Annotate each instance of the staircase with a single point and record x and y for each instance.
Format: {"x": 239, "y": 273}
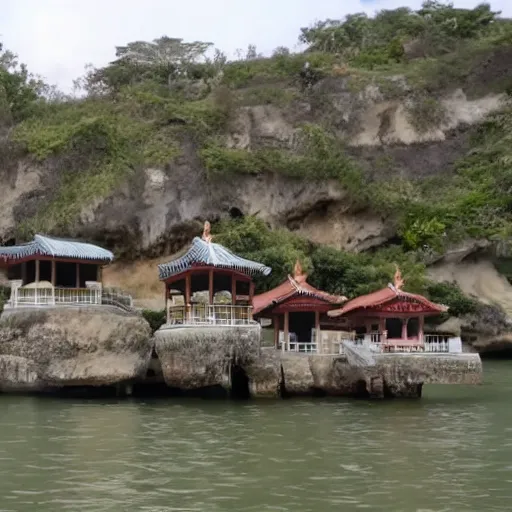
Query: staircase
{"x": 358, "y": 355}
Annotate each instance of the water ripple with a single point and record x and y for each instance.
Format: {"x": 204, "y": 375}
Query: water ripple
{"x": 449, "y": 452}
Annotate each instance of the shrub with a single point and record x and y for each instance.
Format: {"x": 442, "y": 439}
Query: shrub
{"x": 155, "y": 318}
{"x": 452, "y": 296}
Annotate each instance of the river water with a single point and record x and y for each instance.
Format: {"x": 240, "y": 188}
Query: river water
{"x": 449, "y": 451}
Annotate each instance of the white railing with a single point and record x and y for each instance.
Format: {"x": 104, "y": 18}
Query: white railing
{"x": 437, "y": 343}
{"x": 377, "y": 343}
{"x": 53, "y": 296}
{"x": 205, "y": 314}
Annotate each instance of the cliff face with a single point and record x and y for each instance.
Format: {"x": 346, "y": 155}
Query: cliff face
{"x": 150, "y": 210}
{"x": 400, "y": 161}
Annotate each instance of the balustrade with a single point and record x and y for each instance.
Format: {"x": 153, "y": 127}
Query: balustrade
{"x": 205, "y": 314}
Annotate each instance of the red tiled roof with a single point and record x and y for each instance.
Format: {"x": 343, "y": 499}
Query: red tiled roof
{"x": 291, "y": 287}
{"x": 381, "y": 297}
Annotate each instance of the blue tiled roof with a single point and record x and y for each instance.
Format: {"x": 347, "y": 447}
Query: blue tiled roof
{"x": 57, "y": 248}
{"x": 208, "y": 253}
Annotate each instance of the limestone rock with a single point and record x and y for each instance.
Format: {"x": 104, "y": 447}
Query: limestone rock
{"x": 82, "y": 346}
{"x": 264, "y": 374}
{"x": 297, "y": 376}
{"x": 198, "y": 357}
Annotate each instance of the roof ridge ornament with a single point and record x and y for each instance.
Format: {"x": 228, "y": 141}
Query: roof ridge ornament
{"x": 207, "y": 237}
{"x": 398, "y": 281}
{"x": 298, "y": 273}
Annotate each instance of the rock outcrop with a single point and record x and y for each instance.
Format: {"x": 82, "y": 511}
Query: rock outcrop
{"x": 54, "y": 348}
{"x": 194, "y": 357}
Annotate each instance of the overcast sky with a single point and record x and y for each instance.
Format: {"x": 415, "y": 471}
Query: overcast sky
{"x": 56, "y": 38}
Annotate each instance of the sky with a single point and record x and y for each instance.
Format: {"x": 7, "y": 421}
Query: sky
{"x": 56, "y": 38}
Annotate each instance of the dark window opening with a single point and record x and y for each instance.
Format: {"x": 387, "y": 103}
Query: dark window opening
{"x": 66, "y": 275}
{"x": 394, "y": 328}
{"x": 413, "y": 327}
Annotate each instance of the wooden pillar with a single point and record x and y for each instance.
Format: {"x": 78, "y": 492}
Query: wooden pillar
{"x": 78, "y": 275}
{"x": 276, "y": 331}
{"x": 167, "y": 313}
{"x": 233, "y": 290}
{"x": 404, "y": 328}
{"x": 24, "y": 273}
{"x": 99, "y": 273}
{"x": 37, "y": 271}
{"x": 210, "y": 287}
{"x": 54, "y": 272}
{"x": 421, "y": 327}
{"x": 317, "y": 332}
{"x": 188, "y": 286}
{"x": 286, "y": 341}
{"x": 382, "y": 325}
{"x": 251, "y": 296}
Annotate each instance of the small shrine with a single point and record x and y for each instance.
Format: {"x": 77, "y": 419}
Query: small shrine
{"x": 297, "y": 310}
{"x": 391, "y": 317}
{"x": 209, "y": 267}
{"x": 51, "y": 270}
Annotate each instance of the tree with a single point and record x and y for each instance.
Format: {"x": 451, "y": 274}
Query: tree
{"x": 19, "y": 89}
{"x": 165, "y": 53}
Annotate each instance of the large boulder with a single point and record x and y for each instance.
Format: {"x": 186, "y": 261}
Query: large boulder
{"x": 82, "y": 346}
{"x": 195, "y": 357}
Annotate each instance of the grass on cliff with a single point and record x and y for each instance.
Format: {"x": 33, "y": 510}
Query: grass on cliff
{"x": 93, "y": 145}
{"x": 472, "y": 201}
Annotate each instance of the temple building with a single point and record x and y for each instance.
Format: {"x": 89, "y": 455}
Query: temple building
{"x": 51, "y": 271}
{"x": 392, "y": 319}
{"x": 298, "y": 312}
{"x": 209, "y": 267}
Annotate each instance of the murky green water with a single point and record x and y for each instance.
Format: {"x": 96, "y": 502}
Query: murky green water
{"x": 450, "y": 451}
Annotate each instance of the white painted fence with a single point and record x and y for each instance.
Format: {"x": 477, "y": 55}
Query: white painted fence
{"x": 206, "y": 314}
{"x": 93, "y": 294}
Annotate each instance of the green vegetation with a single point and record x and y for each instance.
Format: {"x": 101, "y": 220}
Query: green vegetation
{"x": 335, "y": 271}
{"x": 320, "y": 156}
{"x": 154, "y": 318}
{"x": 141, "y": 109}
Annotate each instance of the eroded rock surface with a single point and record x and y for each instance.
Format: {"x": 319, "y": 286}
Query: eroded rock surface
{"x": 52, "y": 348}
{"x": 194, "y": 358}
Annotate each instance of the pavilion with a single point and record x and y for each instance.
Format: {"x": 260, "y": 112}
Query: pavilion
{"x": 390, "y": 317}
{"x": 50, "y": 270}
{"x": 208, "y": 266}
{"x": 299, "y": 309}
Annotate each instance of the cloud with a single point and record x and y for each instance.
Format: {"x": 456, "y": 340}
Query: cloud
{"x": 56, "y": 38}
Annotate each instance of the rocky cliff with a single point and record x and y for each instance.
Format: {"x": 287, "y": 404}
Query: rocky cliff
{"x": 386, "y": 151}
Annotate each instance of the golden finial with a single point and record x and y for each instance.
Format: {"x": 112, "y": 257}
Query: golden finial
{"x": 398, "y": 281}
{"x": 298, "y": 273}
{"x": 207, "y": 237}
